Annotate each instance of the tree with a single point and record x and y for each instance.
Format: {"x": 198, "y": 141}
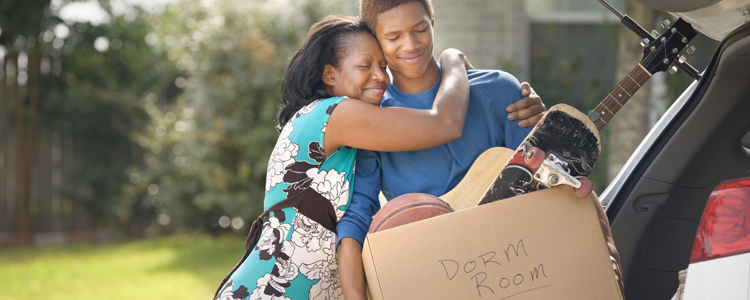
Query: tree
{"x": 630, "y": 126}
{"x": 22, "y": 22}
{"x": 206, "y": 155}
{"x": 84, "y": 83}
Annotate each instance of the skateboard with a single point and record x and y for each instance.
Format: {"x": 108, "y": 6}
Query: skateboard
{"x": 561, "y": 149}
{"x": 564, "y": 146}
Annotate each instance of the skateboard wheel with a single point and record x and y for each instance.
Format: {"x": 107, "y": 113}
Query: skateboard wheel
{"x": 534, "y": 158}
{"x": 586, "y": 188}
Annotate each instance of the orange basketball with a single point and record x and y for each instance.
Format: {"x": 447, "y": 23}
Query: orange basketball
{"x": 406, "y": 209}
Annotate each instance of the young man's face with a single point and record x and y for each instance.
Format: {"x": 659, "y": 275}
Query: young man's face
{"x": 405, "y": 35}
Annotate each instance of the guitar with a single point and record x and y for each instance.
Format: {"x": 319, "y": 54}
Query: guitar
{"x": 564, "y": 133}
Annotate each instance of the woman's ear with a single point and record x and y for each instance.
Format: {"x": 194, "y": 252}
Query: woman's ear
{"x": 329, "y": 75}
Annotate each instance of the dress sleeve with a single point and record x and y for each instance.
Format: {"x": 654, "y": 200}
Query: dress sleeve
{"x": 364, "y": 203}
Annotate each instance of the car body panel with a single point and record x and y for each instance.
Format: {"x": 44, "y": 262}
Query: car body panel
{"x": 714, "y": 18}
{"x": 721, "y": 278}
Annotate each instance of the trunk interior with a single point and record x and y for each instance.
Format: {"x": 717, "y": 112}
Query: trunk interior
{"x": 655, "y": 215}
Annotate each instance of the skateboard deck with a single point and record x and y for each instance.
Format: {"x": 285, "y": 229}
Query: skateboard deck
{"x": 564, "y": 132}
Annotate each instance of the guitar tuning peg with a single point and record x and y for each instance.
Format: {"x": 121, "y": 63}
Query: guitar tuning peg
{"x": 681, "y": 59}
{"x": 644, "y": 42}
{"x": 672, "y": 70}
{"x": 665, "y": 24}
{"x": 690, "y": 49}
{"x": 655, "y": 33}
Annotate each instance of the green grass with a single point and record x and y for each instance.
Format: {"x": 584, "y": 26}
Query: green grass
{"x": 180, "y": 267}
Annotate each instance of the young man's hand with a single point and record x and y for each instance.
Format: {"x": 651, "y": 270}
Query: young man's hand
{"x": 529, "y": 110}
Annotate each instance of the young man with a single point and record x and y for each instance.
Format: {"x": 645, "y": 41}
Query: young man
{"x": 404, "y": 29}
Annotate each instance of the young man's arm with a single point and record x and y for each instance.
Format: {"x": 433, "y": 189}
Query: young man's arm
{"x": 353, "y": 226}
{"x": 529, "y": 110}
{"x": 351, "y": 269}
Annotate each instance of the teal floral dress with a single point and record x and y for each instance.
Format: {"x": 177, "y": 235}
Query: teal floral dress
{"x": 295, "y": 256}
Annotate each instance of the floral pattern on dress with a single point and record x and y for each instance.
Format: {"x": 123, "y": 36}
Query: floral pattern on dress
{"x": 329, "y": 285}
{"x": 228, "y": 293}
{"x": 274, "y": 232}
{"x": 310, "y": 237}
{"x": 282, "y": 157}
{"x": 333, "y": 186}
{"x": 328, "y": 111}
{"x": 331, "y": 108}
{"x": 268, "y": 289}
{"x": 300, "y": 173}
{"x": 300, "y": 249}
{"x": 307, "y": 108}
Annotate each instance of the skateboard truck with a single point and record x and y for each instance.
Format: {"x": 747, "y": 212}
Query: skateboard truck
{"x": 551, "y": 172}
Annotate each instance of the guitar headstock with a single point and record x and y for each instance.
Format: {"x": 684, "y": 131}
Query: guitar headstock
{"x": 659, "y": 54}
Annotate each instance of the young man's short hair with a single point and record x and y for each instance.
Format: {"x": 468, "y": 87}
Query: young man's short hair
{"x": 369, "y": 10}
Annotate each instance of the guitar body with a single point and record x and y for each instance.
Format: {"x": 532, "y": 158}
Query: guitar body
{"x": 478, "y": 179}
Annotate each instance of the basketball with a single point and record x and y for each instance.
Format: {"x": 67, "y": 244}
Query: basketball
{"x": 407, "y": 209}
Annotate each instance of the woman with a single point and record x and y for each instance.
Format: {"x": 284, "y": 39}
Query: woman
{"x": 331, "y": 94}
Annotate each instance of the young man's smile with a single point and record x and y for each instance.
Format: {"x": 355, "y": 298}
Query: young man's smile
{"x": 412, "y": 58}
{"x": 405, "y": 35}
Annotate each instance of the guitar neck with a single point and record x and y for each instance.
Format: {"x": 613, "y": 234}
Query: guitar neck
{"x": 619, "y": 96}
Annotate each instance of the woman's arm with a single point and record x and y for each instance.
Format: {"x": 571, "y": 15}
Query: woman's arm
{"x": 358, "y": 124}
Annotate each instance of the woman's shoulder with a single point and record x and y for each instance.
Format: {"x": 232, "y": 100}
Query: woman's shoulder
{"x": 314, "y": 116}
{"x": 325, "y": 104}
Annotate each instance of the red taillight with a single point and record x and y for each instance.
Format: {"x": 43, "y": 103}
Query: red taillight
{"x": 725, "y": 227}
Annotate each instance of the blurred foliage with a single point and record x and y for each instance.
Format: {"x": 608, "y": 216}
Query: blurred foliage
{"x": 207, "y": 152}
{"x": 564, "y": 72}
{"x": 100, "y": 103}
{"x": 166, "y": 118}
{"x": 90, "y": 96}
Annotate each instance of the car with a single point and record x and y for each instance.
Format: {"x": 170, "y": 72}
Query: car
{"x": 657, "y": 203}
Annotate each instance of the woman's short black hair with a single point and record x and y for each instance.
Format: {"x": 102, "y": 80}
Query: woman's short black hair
{"x": 325, "y": 43}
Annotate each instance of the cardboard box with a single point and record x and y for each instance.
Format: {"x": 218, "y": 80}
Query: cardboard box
{"x": 542, "y": 245}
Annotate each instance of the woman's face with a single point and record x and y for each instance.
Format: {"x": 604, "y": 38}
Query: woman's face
{"x": 361, "y": 73}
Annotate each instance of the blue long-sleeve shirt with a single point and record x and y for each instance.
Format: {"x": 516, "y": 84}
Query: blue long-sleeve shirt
{"x": 436, "y": 170}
